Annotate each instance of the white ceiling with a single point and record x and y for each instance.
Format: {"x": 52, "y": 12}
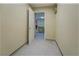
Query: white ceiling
{"x": 42, "y": 5}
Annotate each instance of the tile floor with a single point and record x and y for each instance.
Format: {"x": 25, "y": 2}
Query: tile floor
{"x": 39, "y": 47}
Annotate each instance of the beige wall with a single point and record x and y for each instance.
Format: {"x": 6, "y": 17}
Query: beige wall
{"x": 67, "y": 28}
{"x": 0, "y": 33}
{"x": 13, "y": 27}
{"x": 78, "y": 29}
{"x": 50, "y": 22}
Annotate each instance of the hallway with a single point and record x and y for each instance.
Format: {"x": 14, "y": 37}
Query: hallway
{"x": 39, "y": 48}
{"x": 59, "y": 22}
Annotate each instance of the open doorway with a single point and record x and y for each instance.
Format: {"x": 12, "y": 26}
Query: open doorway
{"x": 39, "y": 25}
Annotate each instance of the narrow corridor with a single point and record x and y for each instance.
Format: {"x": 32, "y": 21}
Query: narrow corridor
{"x": 39, "y": 48}
{"x": 49, "y": 21}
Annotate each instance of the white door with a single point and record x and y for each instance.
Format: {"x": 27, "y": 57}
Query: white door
{"x": 31, "y": 25}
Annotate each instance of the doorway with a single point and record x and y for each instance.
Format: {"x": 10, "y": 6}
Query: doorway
{"x": 39, "y": 25}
